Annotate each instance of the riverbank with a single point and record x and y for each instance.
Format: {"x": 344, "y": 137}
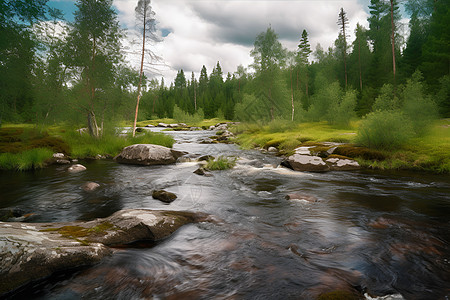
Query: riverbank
{"x": 23, "y": 147}
{"x": 429, "y": 153}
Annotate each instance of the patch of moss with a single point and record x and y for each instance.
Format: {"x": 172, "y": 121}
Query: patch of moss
{"x": 101, "y": 228}
{"x": 362, "y": 152}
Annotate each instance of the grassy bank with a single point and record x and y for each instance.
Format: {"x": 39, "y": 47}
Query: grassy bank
{"x": 429, "y": 153}
{"x": 22, "y": 147}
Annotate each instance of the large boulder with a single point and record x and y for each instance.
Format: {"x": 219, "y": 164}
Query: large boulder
{"x": 148, "y": 154}
{"x": 307, "y": 163}
{"x": 35, "y": 251}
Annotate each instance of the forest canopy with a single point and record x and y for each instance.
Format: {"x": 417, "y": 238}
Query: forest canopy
{"x": 75, "y": 72}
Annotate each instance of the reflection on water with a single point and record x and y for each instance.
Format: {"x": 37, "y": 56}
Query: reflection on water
{"x": 367, "y": 231}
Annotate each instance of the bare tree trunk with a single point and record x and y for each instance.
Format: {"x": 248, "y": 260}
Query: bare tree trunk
{"x": 292, "y": 96}
{"x": 195, "y": 97}
{"x": 92, "y": 122}
{"x": 140, "y": 73}
{"x": 359, "y": 64}
{"x": 393, "y": 40}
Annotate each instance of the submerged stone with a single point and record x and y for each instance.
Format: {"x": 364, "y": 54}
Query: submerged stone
{"x": 164, "y": 196}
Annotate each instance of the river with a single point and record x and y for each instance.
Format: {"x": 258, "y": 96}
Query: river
{"x": 368, "y": 231}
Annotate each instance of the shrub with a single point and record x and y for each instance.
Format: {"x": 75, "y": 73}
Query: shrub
{"x": 384, "y": 130}
{"x": 420, "y": 109}
{"x": 181, "y": 116}
{"x": 386, "y": 100}
{"x": 346, "y": 109}
{"x": 221, "y": 163}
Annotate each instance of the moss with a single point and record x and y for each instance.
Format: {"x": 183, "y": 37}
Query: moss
{"x": 79, "y": 232}
{"x": 101, "y": 228}
{"x": 362, "y": 152}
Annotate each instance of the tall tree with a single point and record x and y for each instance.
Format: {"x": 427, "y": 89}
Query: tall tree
{"x": 268, "y": 55}
{"x": 436, "y": 50}
{"x": 145, "y": 18}
{"x": 194, "y": 85}
{"x": 303, "y": 52}
{"x": 18, "y": 48}
{"x": 394, "y": 69}
{"x": 359, "y": 58}
{"x": 94, "y": 48}
{"x": 381, "y": 31}
{"x": 343, "y": 22}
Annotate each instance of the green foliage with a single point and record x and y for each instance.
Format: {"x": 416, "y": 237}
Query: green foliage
{"x": 385, "y": 130}
{"x": 341, "y": 111}
{"x": 26, "y": 160}
{"x": 180, "y": 116}
{"x": 443, "y": 96}
{"x": 221, "y": 163}
{"x": 386, "y": 100}
{"x": 420, "y": 109}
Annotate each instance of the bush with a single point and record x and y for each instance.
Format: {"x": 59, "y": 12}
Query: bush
{"x": 345, "y": 111}
{"x": 384, "y": 130}
{"x": 386, "y": 100}
{"x": 221, "y": 163}
{"x": 420, "y": 109}
{"x": 181, "y": 116}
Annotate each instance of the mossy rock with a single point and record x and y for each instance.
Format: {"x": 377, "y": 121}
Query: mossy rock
{"x": 362, "y": 152}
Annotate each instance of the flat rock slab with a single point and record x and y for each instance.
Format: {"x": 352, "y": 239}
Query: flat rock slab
{"x": 33, "y": 251}
{"x": 148, "y": 154}
{"x": 307, "y": 163}
{"x": 337, "y": 164}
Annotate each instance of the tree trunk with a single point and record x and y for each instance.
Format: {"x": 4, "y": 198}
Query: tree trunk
{"x": 393, "y": 39}
{"x": 359, "y": 64}
{"x": 195, "y": 97}
{"x": 292, "y": 96}
{"x": 140, "y": 73}
{"x": 92, "y": 124}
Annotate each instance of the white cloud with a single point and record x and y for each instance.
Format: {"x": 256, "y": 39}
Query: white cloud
{"x": 204, "y": 32}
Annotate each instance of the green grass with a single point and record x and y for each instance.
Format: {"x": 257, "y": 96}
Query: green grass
{"x": 221, "y": 163}
{"x": 287, "y": 137}
{"x": 25, "y": 148}
{"x": 86, "y": 146}
{"x": 430, "y": 153}
{"x": 26, "y": 160}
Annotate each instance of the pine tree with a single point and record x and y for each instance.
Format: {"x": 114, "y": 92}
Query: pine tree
{"x": 343, "y": 22}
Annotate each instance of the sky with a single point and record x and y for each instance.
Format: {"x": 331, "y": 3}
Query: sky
{"x": 202, "y": 32}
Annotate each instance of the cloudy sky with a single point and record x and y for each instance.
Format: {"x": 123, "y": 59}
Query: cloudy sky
{"x": 202, "y": 32}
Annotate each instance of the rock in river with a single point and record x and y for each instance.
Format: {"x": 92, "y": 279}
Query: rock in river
{"x": 76, "y": 168}
{"x": 164, "y": 196}
{"x": 307, "y": 163}
{"x": 148, "y": 154}
{"x": 33, "y": 251}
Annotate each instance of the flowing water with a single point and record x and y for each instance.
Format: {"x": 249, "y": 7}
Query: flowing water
{"x": 368, "y": 231}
